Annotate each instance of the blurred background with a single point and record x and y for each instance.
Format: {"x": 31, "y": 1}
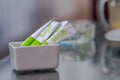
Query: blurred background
{"x": 20, "y": 18}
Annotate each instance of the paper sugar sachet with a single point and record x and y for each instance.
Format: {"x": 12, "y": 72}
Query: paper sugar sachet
{"x": 31, "y": 38}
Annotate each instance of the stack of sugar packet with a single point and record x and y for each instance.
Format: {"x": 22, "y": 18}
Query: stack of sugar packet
{"x": 50, "y": 33}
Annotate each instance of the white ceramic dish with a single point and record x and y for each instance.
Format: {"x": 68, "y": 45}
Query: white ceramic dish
{"x": 33, "y": 58}
{"x": 113, "y": 35}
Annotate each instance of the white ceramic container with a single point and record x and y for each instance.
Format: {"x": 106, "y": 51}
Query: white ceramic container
{"x": 33, "y": 58}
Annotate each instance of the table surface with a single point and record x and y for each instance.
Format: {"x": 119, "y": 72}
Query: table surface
{"x": 71, "y": 67}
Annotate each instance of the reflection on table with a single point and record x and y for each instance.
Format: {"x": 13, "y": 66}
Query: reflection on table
{"x": 35, "y": 75}
{"x": 72, "y": 65}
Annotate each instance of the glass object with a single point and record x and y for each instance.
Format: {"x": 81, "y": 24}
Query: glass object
{"x": 80, "y": 46}
{"x": 75, "y": 51}
{"x": 85, "y": 31}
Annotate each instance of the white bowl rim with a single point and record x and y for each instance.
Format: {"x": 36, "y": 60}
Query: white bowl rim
{"x": 113, "y": 35}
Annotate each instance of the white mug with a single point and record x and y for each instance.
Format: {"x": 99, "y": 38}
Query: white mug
{"x": 114, "y": 14}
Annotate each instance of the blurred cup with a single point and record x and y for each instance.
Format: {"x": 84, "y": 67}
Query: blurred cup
{"x": 75, "y": 51}
{"x": 85, "y": 31}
